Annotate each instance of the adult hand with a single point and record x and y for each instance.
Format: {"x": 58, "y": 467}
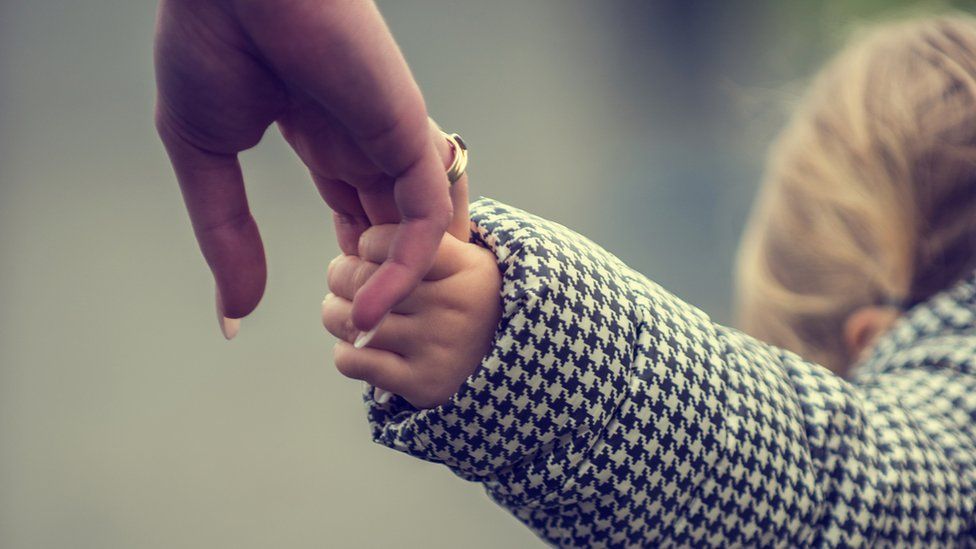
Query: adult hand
{"x": 329, "y": 73}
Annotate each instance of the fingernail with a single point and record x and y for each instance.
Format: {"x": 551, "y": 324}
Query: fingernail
{"x": 364, "y": 338}
{"x": 381, "y": 396}
{"x": 229, "y": 327}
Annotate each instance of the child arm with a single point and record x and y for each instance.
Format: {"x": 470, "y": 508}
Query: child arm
{"x": 608, "y": 411}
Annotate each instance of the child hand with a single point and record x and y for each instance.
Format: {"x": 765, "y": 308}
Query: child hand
{"x": 433, "y": 340}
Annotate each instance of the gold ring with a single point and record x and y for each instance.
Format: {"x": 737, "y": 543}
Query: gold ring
{"x": 460, "y": 162}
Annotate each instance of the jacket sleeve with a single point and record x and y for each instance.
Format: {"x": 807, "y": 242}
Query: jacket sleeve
{"x": 608, "y": 412}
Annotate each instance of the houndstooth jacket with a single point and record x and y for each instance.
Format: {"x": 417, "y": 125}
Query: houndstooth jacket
{"x": 610, "y": 413}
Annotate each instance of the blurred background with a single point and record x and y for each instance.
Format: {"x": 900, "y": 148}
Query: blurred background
{"x": 127, "y": 421}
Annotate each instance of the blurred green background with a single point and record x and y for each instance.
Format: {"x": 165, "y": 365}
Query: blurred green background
{"x": 127, "y": 421}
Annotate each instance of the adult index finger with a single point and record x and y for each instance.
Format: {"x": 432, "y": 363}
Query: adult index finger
{"x": 213, "y": 191}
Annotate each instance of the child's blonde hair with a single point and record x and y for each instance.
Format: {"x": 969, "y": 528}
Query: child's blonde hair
{"x": 870, "y": 191}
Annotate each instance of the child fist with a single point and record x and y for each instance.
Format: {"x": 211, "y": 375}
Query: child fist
{"x": 432, "y": 341}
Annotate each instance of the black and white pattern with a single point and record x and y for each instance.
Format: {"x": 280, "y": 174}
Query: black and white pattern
{"x": 610, "y": 413}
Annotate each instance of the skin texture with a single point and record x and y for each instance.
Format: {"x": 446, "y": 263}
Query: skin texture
{"x": 432, "y": 340}
{"x": 329, "y": 74}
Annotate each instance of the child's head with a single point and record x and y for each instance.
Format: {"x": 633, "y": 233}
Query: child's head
{"x": 870, "y": 193}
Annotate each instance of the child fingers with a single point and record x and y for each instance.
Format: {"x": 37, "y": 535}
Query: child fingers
{"x": 375, "y": 243}
{"x": 377, "y": 367}
{"x": 392, "y": 334}
{"x": 375, "y": 247}
{"x": 347, "y": 273}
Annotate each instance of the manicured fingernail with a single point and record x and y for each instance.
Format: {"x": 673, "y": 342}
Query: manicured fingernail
{"x": 364, "y": 338}
{"x": 381, "y": 396}
{"x": 229, "y": 327}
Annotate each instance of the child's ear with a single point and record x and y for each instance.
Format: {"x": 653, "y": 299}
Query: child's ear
{"x": 864, "y": 325}
{"x": 460, "y": 227}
